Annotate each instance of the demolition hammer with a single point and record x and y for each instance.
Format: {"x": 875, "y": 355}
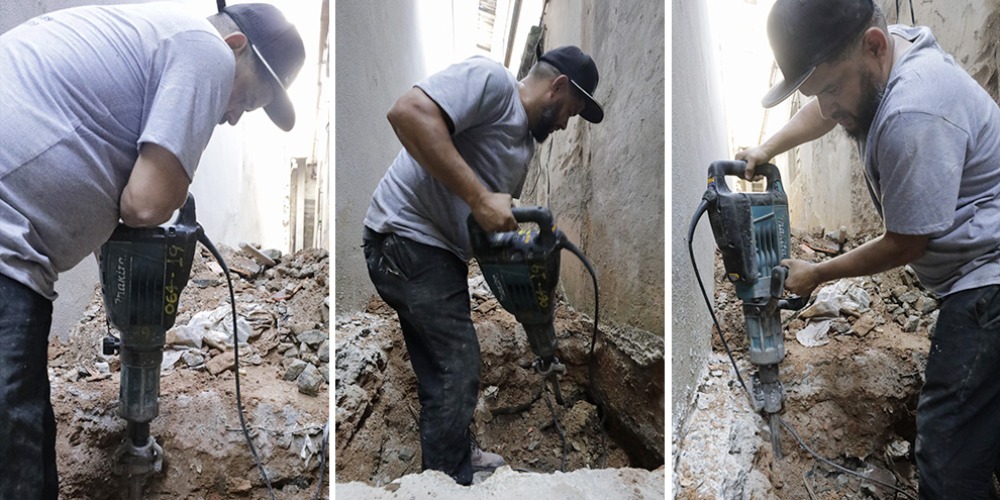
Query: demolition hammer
{"x": 752, "y": 233}
{"x": 522, "y": 270}
{"x": 143, "y": 271}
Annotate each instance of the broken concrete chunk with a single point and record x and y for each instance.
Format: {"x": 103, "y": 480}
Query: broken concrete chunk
{"x": 312, "y": 338}
{"x": 257, "y": 255}
{"x": 193, "y": 359}
{"x": 911, "y": 324}
{"x": 295, "y": 368}
{"x": 909, "y": 297}
{"x": 221, "y": 363}
{"x": 323, "y": 351}
{"x": 309, "y": 381}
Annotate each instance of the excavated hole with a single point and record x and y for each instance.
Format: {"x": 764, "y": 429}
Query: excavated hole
{"x": 377, "y": 407}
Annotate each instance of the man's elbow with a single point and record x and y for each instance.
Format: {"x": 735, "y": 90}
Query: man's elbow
{"x": 134, "y": 215}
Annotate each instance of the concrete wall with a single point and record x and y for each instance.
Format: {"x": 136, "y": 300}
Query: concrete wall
{"x": 698, "y": 138}
{"x": 605, "y": 182}
{"x": 239, "y": 181}
{"x": 829, "y": 190}
{"x": 378, "y": 58}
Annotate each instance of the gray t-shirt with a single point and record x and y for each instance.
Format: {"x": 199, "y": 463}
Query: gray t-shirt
{"x": 80, "y": 91}
{"x": 491, "y": 133}
{"x": 932, "y": 160}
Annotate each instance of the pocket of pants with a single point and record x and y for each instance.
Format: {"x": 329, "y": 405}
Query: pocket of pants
{"x": 394, "y": 260}
{"x": 988, "y": 307}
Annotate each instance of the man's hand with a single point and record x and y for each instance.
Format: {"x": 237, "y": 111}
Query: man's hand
{"x": 802, "y": 278}
{"x": 492, "y": 212}
{"x": 754, "y": 156}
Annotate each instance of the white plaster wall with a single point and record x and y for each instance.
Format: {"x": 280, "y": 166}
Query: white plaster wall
{"x": 605, "y": 182}
{"x": 241, "y": 183}
{"x": 698, "y": 138}
{"x": 378, "y": 58}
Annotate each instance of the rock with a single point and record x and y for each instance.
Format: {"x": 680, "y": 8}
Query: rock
{"x": 312, "y": 338}
{"x": 863, "y": 326}
{"x": 238, "y": 485}
{"x": 911, "y": 324}
{"x": 925, "y": 305}
{"x": 309, "y": 381}
{"x": 221, "y": 363}
{"x": 909, "y": 297}
{"x": 291, "y": 353}
{"x": 295, "y": 368}
{"x": 193, "y": 359}
{"x": 323, "y": 351}
{"x": 102, "y": 367}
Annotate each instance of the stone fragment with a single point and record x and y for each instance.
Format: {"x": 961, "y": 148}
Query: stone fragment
{"x": 193, "y": 359}
{"x": 221, "y": 363}
{"x": 309, "y": 381}
{"x": 295, "y": 368}
{"x": 312, "y": 338}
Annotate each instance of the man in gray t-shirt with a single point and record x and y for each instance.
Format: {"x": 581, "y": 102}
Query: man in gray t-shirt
{"x": 468, "y": 135}
{"x": 930, "y": 139}
{"x": 106, "y": 113}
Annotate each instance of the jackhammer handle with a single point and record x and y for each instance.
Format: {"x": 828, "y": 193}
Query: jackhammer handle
{"x": 718, "y": 171}
{"x": 541, "y": 216}
{"x": 187, "y": 214}
{"x": 793, "y": 302}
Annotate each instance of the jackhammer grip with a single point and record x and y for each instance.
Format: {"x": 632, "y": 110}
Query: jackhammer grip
{"x": 541, "y": 216}
{"x": 718, "y": 171}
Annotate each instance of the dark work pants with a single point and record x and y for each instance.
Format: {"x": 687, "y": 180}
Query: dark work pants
{"x": 428, "y": 288}
{"x": 27, "y": 424}
{"x": 958, "y": 414}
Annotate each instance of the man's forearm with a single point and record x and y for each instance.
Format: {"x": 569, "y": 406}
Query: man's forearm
{"x": 886, "y": 252}
{"x": 807, "y": 125}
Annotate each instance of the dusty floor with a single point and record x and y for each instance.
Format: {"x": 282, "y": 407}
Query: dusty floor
{"x": 377, "y": 407}
{"x": 852, "y": 399}
{"x": 205, "y": 452}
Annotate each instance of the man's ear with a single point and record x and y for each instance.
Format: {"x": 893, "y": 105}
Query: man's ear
{"x": 558, "y": 83}
{"x": 236, "y": 41}
{"x": 874, "y": 42}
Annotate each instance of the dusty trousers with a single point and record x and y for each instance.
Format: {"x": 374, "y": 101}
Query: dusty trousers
{"x": 958, "y": 414}
{"x": 27, "y": 423}
{"x": 428, "y": 288}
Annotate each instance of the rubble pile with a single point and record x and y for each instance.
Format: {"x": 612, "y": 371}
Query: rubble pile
{"x": 377, "y": 410}
{"x": 282, "y": 305}
{"x": 852, "y": 372}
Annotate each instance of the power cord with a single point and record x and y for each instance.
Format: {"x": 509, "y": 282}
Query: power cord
{"x": 702, "y": 208}
{"x": 236, "y": 365}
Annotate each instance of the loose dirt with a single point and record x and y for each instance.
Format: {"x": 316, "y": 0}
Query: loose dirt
{"x": 206, "y": 455}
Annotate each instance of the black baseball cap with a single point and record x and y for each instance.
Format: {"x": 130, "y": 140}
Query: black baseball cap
{"x": 582, "y": 72}
{"x": 279, "y": 47}
{"x": 806, "y": 33}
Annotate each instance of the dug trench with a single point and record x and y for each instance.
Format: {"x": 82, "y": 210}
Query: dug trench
{"x": 851, "y": 394}
{"x": 283, "y": 313}
{"x": 378, "y": 411}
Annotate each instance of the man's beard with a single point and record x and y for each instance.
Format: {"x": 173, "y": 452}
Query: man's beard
{"x": 546, "y": 123}
{"x": 870, "y": 102}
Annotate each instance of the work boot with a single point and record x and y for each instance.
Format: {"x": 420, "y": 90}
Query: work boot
{"x": 484, "y": 460}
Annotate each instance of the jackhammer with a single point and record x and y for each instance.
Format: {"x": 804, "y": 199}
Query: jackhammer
{"x": 752, "y": 233}
{"x": 143, "y": 272}
{"x": 521, "y": 268}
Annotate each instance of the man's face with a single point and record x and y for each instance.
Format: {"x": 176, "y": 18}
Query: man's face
{"x": 252, "y": 88}
{"x": 555, "y": 116}
{"x": 848, "y": 93}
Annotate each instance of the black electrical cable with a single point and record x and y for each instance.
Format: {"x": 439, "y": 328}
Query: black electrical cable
{"x": 702, "y": 208}
{"x": 236, "y": 365}
{"x": 840, "y": 467}
{"x": 592, "y": 362}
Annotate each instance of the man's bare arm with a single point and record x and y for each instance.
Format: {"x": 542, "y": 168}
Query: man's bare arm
{"x": 886, "y": 252}
{"x": 807, "y": 125}
{"x": 157, "y": 186}
{"x": 424, "y": 130}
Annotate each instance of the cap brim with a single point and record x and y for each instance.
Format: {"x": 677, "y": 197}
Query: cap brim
{"x": 784, "y": 88}
{"x": 593, "y": 112}
{"x": 280, "y": 110}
